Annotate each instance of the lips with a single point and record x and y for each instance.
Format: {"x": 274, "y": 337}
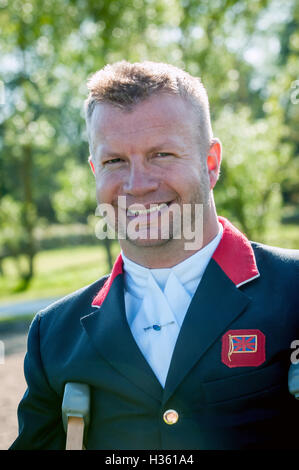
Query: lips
{"x": 135, "y": 211}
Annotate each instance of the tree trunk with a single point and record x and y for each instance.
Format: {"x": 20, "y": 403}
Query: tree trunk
{"x": 107, "y": 245}
{"x": 28, "y": 212}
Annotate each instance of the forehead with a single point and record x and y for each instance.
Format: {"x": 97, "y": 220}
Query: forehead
{"x": 160, "y": 116}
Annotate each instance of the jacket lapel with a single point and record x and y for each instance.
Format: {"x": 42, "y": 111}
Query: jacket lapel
{"x": 111, "y": 336}
{"x": 216, "y": 303}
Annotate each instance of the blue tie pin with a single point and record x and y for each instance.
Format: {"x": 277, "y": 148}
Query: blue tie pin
{"x": 158, "y": 327}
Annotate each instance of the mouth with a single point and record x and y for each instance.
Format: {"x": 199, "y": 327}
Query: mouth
{"x": 142, "y": 211}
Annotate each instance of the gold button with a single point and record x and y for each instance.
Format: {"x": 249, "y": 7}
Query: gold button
{"x": 171, "y": 416}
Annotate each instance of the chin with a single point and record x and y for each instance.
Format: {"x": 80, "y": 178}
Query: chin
{"x": 147, "y": 243}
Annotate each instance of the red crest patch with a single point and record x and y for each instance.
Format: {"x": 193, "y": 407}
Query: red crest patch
{"x": 243, "y": 348}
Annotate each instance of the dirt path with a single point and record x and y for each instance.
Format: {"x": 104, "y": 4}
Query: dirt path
{"x": 12, "y": 381}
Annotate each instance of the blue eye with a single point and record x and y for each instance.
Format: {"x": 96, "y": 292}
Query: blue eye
{"x": 112, "y": 161}
{"x": 163, "y": 154}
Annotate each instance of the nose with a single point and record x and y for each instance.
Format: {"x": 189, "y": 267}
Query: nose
{"x": 140, "y": 181}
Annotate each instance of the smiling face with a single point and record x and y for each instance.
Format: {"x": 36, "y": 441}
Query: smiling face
{"x": 151, "y": 155}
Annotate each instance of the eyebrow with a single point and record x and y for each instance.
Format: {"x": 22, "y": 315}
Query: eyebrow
{"x": 155, "y": 148}
{"x": 161, "y": 146}
{"x": 110, "y": 154}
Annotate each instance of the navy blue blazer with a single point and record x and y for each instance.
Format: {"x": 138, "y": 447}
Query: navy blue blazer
{"x": 228, "y": 375}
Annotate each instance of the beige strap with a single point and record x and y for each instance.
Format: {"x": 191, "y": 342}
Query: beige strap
{"x": 74, "y": 436}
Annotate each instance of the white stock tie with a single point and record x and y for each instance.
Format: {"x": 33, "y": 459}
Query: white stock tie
{"x": 156, "y": 326}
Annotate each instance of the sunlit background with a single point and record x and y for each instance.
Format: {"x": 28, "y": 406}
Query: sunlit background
{"x": 246, "y": 53}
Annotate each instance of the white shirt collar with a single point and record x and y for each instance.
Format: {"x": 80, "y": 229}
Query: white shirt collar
{"x": 189, "y": 271}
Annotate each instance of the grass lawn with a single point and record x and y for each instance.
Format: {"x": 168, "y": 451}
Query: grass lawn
{"x": 58, "y": 272}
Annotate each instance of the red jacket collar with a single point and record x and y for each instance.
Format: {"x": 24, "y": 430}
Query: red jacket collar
{"x": 234, "y": 255}
{"x": 116, "y": 270}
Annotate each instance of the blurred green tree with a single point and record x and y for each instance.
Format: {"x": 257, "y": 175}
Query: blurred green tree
{"x": 282, "y": 101}
{"x": 249, "y": 189}
{"x": 76, "y": 195}
{"x": 48, "y": 49}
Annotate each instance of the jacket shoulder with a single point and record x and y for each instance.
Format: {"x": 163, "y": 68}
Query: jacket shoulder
{"x": 280, "y": 264}
{"x": 73, "y": 303}
{"x": 276, "y": 254}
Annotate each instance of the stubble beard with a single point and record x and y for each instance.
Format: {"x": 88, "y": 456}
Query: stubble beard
{"x": 175, "y": 230}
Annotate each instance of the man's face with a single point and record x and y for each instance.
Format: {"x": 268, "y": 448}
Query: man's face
{"x": 150, "y": 155}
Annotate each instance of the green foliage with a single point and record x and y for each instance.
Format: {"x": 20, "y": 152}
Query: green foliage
{"x": 11, "y": 233}
{"x": 48, "y": 48}
{"x": 14, "y": 240}
{"x": 76, "y": 195}
{"x": 252, "y": 170}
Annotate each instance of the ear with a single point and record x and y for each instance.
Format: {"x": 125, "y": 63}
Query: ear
{"x": 91, "y": 164}
{"x": 214, "y": 161}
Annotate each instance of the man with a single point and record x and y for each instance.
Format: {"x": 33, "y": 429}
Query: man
{"x": 184, "y": 346}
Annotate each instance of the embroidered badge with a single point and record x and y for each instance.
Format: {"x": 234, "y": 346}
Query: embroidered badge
{"x": 243, "y": 348}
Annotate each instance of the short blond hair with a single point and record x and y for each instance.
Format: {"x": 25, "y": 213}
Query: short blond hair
{"x": 124, "y": 85}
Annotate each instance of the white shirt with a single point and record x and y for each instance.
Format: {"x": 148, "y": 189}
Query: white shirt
{"x": 162, "y": 297}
